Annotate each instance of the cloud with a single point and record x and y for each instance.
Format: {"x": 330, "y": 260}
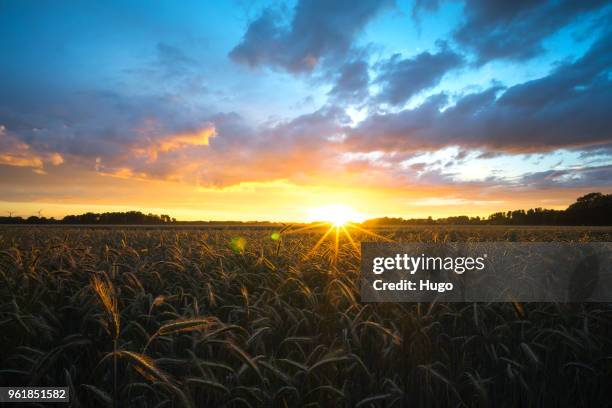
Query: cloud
{"x": 402, "y": 78}
{"x": 173, "y": 61}
{"x": 451, "y": 201}
{"x": 108, "y": 124}
{"x": 319, "y": 30}
{"x": 159, "y": 133}
{"x": 150, "y": 134}
{"x": 597, "y": 176}
{"x": 14, "y": 152}
{"x": 514, "y": 29}
{"x": 351, "y": 85}
{"x": 420, "y": 6}
{"x": 568, "y": 108}
{"x": 229, "y": 150}
{"x": 171, "y": 69}
{"x": 298, "y": 149}
{"x": 152, "y": 147}
{"x": 182, "y": 140}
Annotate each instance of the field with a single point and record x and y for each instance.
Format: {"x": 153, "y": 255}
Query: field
{"x": 145, "y": 317}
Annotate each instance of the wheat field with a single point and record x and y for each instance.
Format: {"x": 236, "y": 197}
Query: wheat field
{"x": 195, "y": 317}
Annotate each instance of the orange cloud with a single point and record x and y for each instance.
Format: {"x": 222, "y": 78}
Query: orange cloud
{"x": 174, "y": 142}
{"x": 180, "y": 140}
{"x": 14, "y": 152}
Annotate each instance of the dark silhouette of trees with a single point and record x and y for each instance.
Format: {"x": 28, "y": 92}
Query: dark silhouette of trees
{"x": 109, "y": 218}
{"x": 590, "y": 209}
{"x": 12, "y": 220}
{"x": 118, "y": 218}
{"x": 533, "y": 216}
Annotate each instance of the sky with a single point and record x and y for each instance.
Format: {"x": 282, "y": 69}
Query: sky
{"x": 256, "y": 110}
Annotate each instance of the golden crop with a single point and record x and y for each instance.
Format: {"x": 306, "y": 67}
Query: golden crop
{"x": 136, "y": 317}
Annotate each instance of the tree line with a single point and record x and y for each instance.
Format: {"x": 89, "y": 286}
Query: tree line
{"x": 590, "y": 209}
{"x": 108, "y": 218}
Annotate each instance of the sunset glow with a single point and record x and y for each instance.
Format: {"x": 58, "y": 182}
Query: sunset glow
{"x": 306, "y": 203}
{"x": 306, "y": 111}
{"x": 336, "y": 214}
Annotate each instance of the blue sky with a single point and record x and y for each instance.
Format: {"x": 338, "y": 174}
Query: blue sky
{"x": 473, "y": 101}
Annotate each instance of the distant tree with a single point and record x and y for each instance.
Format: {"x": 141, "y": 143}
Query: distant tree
{"x": 117, "y": 218}
{"x": 591, "y": 209}
{"x": 498, "y": 218}
{"x": 33, "y": 220}
{"x": 11, "y": 220}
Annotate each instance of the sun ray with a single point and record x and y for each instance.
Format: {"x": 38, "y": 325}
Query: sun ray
{"x": 336, "y": 243}
{"x": 340, "y": 219}
{"x": 350, "y": 238}
{"x": 308, "y": 227}
{"x": 319, "y": 242}
{"x": 365, "y": 231}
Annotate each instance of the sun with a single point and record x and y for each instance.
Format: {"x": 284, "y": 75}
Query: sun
{"x": 338, "y": 221}
{"x": 336, "y": 214}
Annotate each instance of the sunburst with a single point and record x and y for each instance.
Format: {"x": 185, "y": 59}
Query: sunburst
{"x": 337, "y": 221}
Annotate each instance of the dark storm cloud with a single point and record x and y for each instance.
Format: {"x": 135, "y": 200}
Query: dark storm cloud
{"x": 320, "y": 30}
{"x": 401, "y": 78}
{"x": 569, "y": 108}
{"x": 516, "y": 29}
